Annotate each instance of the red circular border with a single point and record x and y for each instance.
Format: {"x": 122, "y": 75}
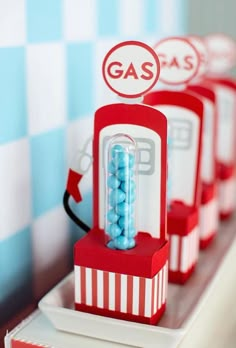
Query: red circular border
{"x": 197, "y": 54}
{"x": 202, "y": 42}
{"x": 129, "y": 43}
{"x": 219, "y": 35}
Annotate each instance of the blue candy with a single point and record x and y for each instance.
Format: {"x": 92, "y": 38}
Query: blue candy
{"x": 114, "y": 231}
{"x": 131, "y": 160}
{"x": 130, "y": 196}
{"x": 121, "y": 160}
{"x": 126, "y": 222}
{"x": 113, "y": 182}
{"x": 112, "y": 168}
{"x": 112, "y": 216}
{"x": 127, "y": 185}
{"x": 130, "y": 232}
{"x": 111, "y": 244}
{"x": 124, "y": 174}
{"x": 116, "y": 196}
{"x": 116, "y": 149}
{"x": 121, "y": 243}
{"x": 122, "y": 194}
{"x": 122, "y": 208}
{"x": 131, "y": 243}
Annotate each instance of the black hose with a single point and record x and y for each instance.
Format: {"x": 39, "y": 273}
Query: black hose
{"x": 72, "y": 215}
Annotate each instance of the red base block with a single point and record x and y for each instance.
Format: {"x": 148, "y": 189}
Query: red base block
{"x": 183, "y": 230}
{"x": 129, "y": 285}
{"x": 227, "y": 189}
{"x": 208, "y": 218}
{"x": 178, "y": 277}
{"x": 204, "y": 243}
{"x": 122, "y": 316}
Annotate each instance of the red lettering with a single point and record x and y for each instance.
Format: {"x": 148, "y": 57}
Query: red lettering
{"x": 117, "y": 73}
{"x": 175, "y": 63}
{"x": 131, "y": 72}
{"x": 163, "y": 61}
{"x": 188, "y": 61}
{"x": 149, "y": 73}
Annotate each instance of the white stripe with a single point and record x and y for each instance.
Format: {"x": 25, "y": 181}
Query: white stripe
{"x": 100, "y": 303}
{"x": 164, "y": 285}
{"x": 166, "y": 292}
{"x": 196, "y": 243}
{"x": 184, "y": 254}
{"x": 155, "y": 294}
{"x": 204, "y": 220}
{"x": 88, "y": 281}
{"x": 190, "y": 250}
{"x": 123, "y": 293}
{"x": 77, "y": 285}
{"x": 215, "y": 217}
{"x": 160, "y": 289}
{"x": 148, "y": 298}
{"x": 135, "y": 306}
{"x": 227, "y": 194}
{"x": 208, "y": 219}
{"x": 174, "y": 252}
{"x": 111, "y": 291}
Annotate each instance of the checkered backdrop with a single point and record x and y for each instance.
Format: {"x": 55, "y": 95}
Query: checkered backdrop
{"x": 50, "y": 86}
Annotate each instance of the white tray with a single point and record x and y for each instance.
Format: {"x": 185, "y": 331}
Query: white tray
{"x": 184, "y": 304}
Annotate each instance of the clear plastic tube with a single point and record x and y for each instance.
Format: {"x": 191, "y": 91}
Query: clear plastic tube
{"x": 121, "y": 189}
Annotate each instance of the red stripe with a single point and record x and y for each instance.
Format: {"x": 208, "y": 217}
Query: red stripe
{"x": 83, "y": 284}
{"x": 117, "y": 291}
{"x": 129, "y": 294}
{"x": 152, "y": 305}
{"x": 141, "y": 296}
{"x": 94, "y": 287}
{"x": 106, "y": 290}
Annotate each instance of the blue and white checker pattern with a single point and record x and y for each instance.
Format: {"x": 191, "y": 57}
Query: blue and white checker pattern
{"x": 50, "y": 86}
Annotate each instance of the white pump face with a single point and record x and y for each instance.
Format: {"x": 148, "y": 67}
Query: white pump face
{"x": 148, "y": 172}
{"x": 226, "y": 124}
{"x": 208, "y": 159}
{"x": 184, "y": 128}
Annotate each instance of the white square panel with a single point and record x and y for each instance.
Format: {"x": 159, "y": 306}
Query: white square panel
{"x": 15, "y": 197}
{"x": 50, "y": 238}
{"x": 79, "y": 150}
{"x": 131, "y": 9}
{"x": 80, "y": 19}
{"x": 12, "y": 23}
{"x": 46, "y": 86}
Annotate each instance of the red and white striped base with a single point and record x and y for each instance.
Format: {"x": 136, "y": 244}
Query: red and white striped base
{"x": 183, "y": 255}
{"x": 227, "y": 199}
{"x": 121, "y": 296}
{"x": 208, "y": 221}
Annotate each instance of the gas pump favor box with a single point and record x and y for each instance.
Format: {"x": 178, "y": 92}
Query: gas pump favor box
{"x": 121, "y": 265}
{"x": 208, "y": 217}
{"x": 179, "y": 63}
{"x": 222, "y": 57}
